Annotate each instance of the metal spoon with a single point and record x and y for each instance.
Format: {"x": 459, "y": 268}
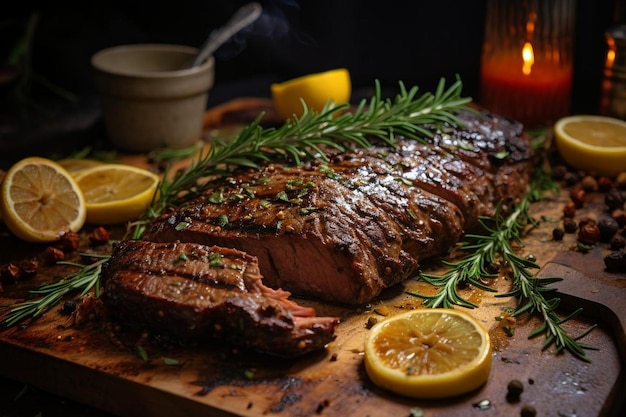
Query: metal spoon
{"x": 247, "y": 14}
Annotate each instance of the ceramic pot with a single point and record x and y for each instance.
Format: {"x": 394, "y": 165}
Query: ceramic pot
{"x": 150, "y": 97}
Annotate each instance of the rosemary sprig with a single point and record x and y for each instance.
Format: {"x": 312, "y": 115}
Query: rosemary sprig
{"x": 408, "y": 115}
{"x": 49, "y": 295}
{"x": 499, "y": 243}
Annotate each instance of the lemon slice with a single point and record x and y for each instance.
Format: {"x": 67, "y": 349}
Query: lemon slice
{"x": 592, "y": 143}
{"x": 116, "y": 193}
{"x": 428, "y": 353}
{"x": 41, "y": 200}
{"x": 315, "y": 89}
{"x": 75, "y": 165}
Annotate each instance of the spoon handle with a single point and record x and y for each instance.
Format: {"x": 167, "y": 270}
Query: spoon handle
{"x": 247, "y": 14}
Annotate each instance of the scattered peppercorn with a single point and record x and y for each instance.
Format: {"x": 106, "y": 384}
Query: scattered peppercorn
{"x": 69, "y": 307}
{"x": 617, "y": 242}
{"x": 9, "y": 273}
{"x": 558, "y": 233}
{"x": 571, "y": 178}
{"x": 28, "y": 267}
{"x": 578, "y": 196}
{"x": 604, "y": 184}
{"x": 620, "y": 216}
{"x": 99, "y": 236}
{"x": 569, "y": 210}
{"x": 616, "y": 261}
{"x": 569, "y": 225}
{"x": 514, "y": 390}
{"x": 69, "y": 241}
{"x": 52, "y": 255}
{"x": 528, "y": 411}
{"x": 589, "y": 183}
{"x": 614, "y": 199}
{"x": 608, "y": 227}
{"x": 559, "y": 171}
{"x": 589, "y": 234}
{"x": 583, "y": 221}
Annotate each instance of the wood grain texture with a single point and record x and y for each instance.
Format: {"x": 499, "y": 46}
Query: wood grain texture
{"x": 98, "y": 365}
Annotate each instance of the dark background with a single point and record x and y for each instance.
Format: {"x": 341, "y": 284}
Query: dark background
{"x": 417, "y": 42}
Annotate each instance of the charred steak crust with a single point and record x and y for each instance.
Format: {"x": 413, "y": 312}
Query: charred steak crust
{"x": 192, "y": 291}
{"x": 346, "y": 230}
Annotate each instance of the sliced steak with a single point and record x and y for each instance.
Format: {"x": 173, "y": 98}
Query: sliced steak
{"x": 346, "y": 230}
{"x": 193, "y": 291}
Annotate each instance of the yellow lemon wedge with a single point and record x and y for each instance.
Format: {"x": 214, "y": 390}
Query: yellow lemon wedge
{"x": 75, "y": 165}
{"x": 428, "y": 353}
{"x": 592, "y": 143}
{"x": 116, "y": 193}
{"x": 41, "y": 201}
{"x": 314, "y": 89}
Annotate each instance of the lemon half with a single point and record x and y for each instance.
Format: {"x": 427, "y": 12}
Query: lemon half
{"x": 428, "y": 354}
{"x": 592, "y": 143}
{"x": 41, "y": 200}
{"x": 315, "y": 90}
{"x": 116, "y": 193}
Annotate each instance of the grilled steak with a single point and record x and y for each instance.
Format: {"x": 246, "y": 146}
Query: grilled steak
{"x": 193, "y": 291}
{"x": 346, "y": 230}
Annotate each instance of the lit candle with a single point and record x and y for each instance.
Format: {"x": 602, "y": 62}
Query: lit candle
{"x": 527, "y": 77}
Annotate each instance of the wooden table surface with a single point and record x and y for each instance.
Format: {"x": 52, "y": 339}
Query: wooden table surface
{"x": 88, "y": 365}
{"x": 51, "y": 368}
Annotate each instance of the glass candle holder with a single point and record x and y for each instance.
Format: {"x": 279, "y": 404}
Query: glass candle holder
{"x": 526, "y": 63}
{"x": 613, "y": 98}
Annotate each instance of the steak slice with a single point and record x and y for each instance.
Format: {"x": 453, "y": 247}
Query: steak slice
{"x": 346, "y": 230}
{"x": 193, "y": 291}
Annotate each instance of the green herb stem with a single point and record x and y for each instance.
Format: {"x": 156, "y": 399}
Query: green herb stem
{"x": 498, "y": 244}
{"x": 49, "y": 295}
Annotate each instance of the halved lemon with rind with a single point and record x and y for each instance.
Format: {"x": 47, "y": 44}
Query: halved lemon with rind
{"x": 428, "y": 354}
{"x": 592, "y": 143}
{"x": 116, "y": 193}
{"x": 315, "y": 90}
{"x": 41, "y": 200}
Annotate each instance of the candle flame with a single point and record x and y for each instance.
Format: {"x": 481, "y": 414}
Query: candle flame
{"x": 529, "y": 58}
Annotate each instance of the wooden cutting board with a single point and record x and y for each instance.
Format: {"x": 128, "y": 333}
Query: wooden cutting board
{"x": 100, "y": 367}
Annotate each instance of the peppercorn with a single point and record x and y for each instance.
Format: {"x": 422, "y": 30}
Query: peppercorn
{"x": 589, "y": 183}
{"x": 569, "y": 225}
{"x": 604, "y": 184}
{"x": 583, "y": 221}
{"x": 69, "y": 241}
{"x": 620, "y": 216}
{"x": 569, "y": 210}
{"x": 514, "y": 390}
{"x": 28, "y": 267}
{"x": 99, "y": 236}
{"x": 570, "y": 179}
{"x": 558, "y": 233}
{"x": 614, "y": 199}
{"x": 615, "y": 261}
{"x": 528, "y": 411}
{"x": 578, "y": 196}
{"x": 608, "y": 227}
{"x": 617, "y": 242}
{"x": 559, "y": 171}
{"x": 589, "y": 233}
{"x": 52, "y": 255}
{"x": 9, "y": 273}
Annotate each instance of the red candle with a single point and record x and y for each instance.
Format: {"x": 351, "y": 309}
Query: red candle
{"x": 517, "y": 86}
